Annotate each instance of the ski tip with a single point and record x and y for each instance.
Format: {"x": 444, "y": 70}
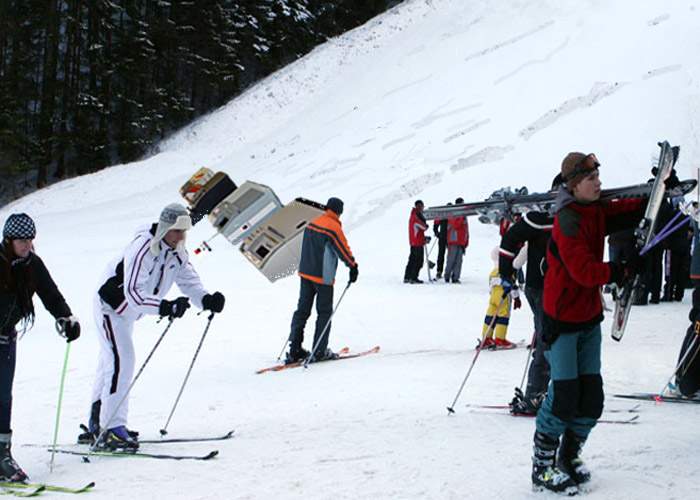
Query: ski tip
{"x": 229, "y": 434}
{"x": 211, "y": 454}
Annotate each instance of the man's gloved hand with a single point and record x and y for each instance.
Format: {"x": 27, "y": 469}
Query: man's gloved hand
{"x": 174, "y": 308}
{"x": 68, "y": 327}
{"x": 427, "y": 239}
{"x": 214, "y": 302}
{"x": 354, "y": 271}
{"x": 517, "y": 303}
{"x": 507, "y": 286}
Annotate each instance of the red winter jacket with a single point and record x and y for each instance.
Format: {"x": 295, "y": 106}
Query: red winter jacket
{"x": 458, "y": 231}
{"x": 416, "y": 228}
{"x": 575, "y": 267}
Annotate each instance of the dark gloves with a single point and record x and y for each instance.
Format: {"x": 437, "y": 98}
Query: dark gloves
{"x": 174, "y": 308}
{"x": 68, "y": 328}
{"x": 517, "y": 303}
{"x": 353, "y": 274}
{"x": 213, "y": 302}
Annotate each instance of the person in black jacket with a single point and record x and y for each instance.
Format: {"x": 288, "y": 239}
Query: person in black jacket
{"x": 535, "y": 229}
{"x": 440, "y": 232}
{"x": 22, "y": 274}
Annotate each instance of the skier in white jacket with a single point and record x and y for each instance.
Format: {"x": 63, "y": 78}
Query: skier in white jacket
{"x": 133, "y": 286}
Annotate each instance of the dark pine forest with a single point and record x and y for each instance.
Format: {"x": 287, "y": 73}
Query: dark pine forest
{"x": 89, "y": 83}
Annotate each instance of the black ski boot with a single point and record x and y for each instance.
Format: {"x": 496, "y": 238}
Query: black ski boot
{"x": 545, "y": 474}
{"x": 569, "y": 459}
{"x": 524, "y": 404}
{"x": 296, "y": 355}
{"x": 9, "y": 470}
{"x": 93, "y": 430}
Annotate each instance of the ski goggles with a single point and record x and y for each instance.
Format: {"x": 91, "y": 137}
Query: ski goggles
{"x": 584, "y": 167}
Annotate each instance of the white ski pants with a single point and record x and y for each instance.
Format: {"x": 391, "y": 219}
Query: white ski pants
{"x": 115, "y": 368}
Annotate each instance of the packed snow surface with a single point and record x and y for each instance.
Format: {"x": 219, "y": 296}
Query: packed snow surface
{"x": 433, "y": 100}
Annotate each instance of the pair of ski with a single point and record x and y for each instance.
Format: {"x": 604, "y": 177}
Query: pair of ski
{"x": 140, "y": 454}
{"x": 505, "y": 410}
{"x": 25, "y": 490}
{"x": 344, "y": 353}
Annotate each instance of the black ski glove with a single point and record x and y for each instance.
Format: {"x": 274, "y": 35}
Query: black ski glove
{"x": 213, "y": 302}
{"x": 174, "y": 308}
{"x": 354, "y": 271}
{"x": 427, "y": 239}
{"x": 68, "y": 328}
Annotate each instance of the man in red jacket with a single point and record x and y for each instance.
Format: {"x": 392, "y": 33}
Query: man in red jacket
{"x": 572, "y": 316}
{"x": 417, "y": 226}
{"x": 457, "y": 242}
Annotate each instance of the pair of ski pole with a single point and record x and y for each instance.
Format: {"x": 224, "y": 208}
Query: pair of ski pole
{"x": 323, "y": 332}
{"x": 163, "y": 431}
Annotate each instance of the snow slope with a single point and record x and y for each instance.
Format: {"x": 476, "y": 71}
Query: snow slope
{"x": 435, "y": 99}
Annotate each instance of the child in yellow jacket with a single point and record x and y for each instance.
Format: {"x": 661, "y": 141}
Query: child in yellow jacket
{"x": 500, "y": 305}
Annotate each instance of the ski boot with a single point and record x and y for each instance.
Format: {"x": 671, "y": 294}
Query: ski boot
{"x": 487, "y": 343}
{"x": 93, "y": 430}
{"x": 326, "y": 356}
{"x": 9, "y": 470}
{"x": 296, "y": 355}
{"x": 504, "y": 344}
{"x": 526, "y": 405}
{"x": 545, "y": 474}
{"x": 569, "y": 459}
{"x": 118, "y": 439}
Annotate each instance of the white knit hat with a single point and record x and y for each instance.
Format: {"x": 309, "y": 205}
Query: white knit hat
{"x": 174, "y": 216}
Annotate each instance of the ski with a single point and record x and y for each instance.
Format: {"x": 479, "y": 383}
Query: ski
{"x": 516, "y": 345}
{"x": 135, "y": 454}
{"x": 504, "y": 202}
{"x": 643, "y": 235}
{"x": 222, "y": 437}
{"x": 342, "y": 354}
{"x": 47, "y": 487}
{"x": 632, "y": 409}
{"x": 625, "y": 420}
{"x": 35, "y": 491}
{"x": 650, "y": 396}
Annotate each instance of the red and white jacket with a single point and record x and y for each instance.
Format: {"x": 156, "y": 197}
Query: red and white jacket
{"x": 417, "y": 226}
{"x": 135, "y": 283}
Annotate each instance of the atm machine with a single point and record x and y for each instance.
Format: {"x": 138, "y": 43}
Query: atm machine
{"x": 269, "y": 233}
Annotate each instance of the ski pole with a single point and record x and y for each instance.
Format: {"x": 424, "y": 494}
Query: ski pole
{"x": 530, "y": 348}
{"x": 164, "y": 430}
{"x": 131, "y": 386}
{"x": 58, "y": 405}
{"x": 451, "y": 409}
{"x": 659, "y": 397}
{"x": 284, "y": 347}
{"x": 325, "y": 328}
{"x": 432, "y": 246}
{"x": 427, "y": 262}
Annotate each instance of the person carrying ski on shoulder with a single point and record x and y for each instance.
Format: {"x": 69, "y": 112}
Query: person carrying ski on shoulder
{"x": 573, "y": 312}
{"x": 417, "y": 225}
{"x": 534, "y": 229}
{"x": 457, "y": 243}
{"x": 323, "y": 244}
{"x": 134, "y": 285}
{"x": 503, "y": 294}
{"x": 22, "y": 274}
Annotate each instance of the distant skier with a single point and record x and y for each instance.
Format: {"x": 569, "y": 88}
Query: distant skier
{"x": 503, "y": 297}
{"x": 440, "y": 232}
{"x": 572, "y": 316}
{"x": 534, "y": 229}
{"x": 417, "y": 226}
{"x": 324, "y": 243}
{"x": 134, "y": 285}
{"x": 457, "y": 243}
{"x": 22, "y": 274}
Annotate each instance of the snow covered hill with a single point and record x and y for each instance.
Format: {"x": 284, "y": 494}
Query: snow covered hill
{"x": 435, "y": 99}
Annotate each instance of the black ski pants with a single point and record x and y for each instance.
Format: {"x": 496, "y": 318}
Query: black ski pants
{"x": 8, "y": 352}
{"x": 538, "y": 373}
{"x": 442, "y": 248}
{"x": 415, "y": 263}
{"x": 688, "y": 375}
{"x": 324, "y": 308}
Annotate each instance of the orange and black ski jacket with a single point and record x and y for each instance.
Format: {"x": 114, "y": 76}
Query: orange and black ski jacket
{"x": 324, "y": 243}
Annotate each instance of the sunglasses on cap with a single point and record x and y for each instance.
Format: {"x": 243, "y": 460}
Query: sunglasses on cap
{"x": 585, "y": 166}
